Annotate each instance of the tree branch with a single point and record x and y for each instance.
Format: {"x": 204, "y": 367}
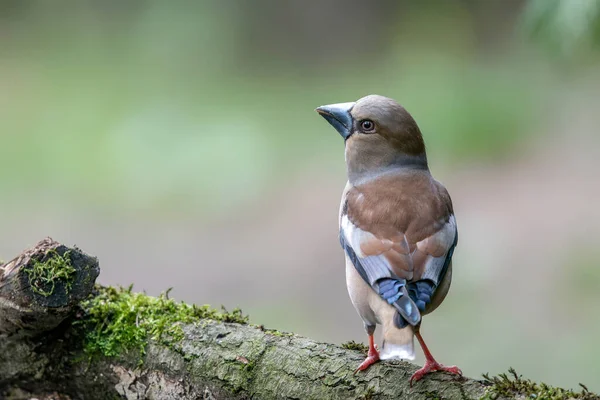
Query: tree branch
{"x": 40, "y": 287}
{"x": 146, "y": 354}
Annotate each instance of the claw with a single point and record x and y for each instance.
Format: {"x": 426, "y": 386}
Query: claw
{"x": 370, "y": 360}
{"x": 430, "y": 364}
{"x": 433, "y": 366}
{"x": 372, "y": 357}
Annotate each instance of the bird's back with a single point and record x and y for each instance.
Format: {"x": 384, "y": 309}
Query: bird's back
{"x": 400, "y": 209}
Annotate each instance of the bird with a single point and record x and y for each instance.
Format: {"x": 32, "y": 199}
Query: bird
{"x": 396, "y": 226}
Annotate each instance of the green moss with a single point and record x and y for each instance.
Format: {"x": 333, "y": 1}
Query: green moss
{"x": 272, "y": 332}
{"x": 44, "y": 275}
{"x": 432, "y": 396}
{"x": 352, "y": 345}
{"x": 275, "y": 332}
{"x": 368, "y": 395}
{"x": 511, "y": 385}
{"x": 120, "y": 320}
{"x": 248, "y": 365}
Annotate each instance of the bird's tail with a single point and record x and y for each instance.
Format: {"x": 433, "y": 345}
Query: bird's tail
{"x": 397, "y": 343}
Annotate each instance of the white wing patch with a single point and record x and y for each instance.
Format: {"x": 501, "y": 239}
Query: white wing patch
{"x": 354, "y": 236}
{"x": 382, "y": 262}
{"x": 394, "y": 253}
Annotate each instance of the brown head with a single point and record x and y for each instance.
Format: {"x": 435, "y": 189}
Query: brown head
{"x": 380, "y": 135}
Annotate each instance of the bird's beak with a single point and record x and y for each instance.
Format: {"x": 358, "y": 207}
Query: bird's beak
{"x": 338, "y": 115}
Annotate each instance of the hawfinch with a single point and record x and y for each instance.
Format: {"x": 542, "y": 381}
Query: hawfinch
{"x": 397, "y": 227}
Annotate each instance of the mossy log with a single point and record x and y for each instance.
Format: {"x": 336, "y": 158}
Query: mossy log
{"x": 40, "y": 287}
{"x": 123, "y": 345}
{"x": 218, "y": 360}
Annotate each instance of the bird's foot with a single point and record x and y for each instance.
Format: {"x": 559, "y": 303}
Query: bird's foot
{"x": 432, "y": 366}
{"x": 370, "y": 360}
{"x": 372, "y": 356}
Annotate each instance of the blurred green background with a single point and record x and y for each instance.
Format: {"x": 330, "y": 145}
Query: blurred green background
{"x": 178, "y": 142}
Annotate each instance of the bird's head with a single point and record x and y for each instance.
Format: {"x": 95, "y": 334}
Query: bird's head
{"x": 379, "y": 134}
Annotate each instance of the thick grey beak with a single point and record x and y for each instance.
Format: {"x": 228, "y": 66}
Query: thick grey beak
{"x": 338, "y": 115}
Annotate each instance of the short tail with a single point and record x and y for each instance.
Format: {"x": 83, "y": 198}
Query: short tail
{"x": 397, "y": 343}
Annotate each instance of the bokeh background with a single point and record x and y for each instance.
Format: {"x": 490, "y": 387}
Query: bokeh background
{"x": 178, "y": 142}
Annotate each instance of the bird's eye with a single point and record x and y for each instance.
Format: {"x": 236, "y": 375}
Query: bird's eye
{"x": 367, "y": 125}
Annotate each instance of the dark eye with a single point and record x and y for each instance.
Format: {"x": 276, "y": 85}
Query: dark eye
{"x": 367, "y": 125}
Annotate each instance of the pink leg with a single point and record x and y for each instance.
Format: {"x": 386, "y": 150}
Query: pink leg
{"x": 372, "y": 357}
{"x": 430, "y": 364}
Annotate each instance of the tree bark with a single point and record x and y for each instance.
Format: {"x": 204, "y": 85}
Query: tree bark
{"x": 42, "y": 352}
{"x": 40, "y": 287}
{"x": 219, "y": 361}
